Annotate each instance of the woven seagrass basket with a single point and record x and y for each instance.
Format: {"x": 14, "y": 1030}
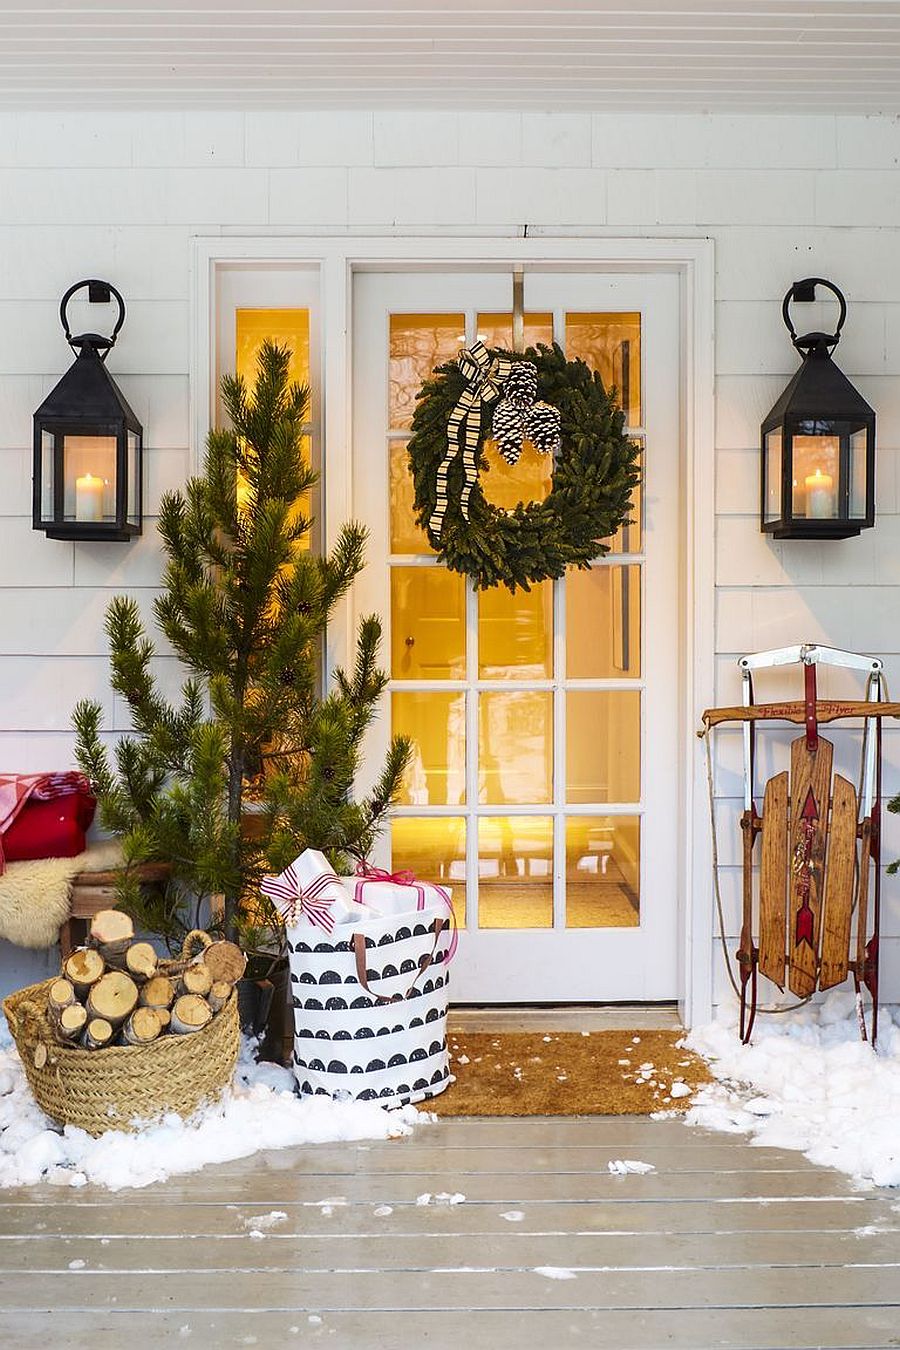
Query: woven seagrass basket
{"x": 121, "y": 1087}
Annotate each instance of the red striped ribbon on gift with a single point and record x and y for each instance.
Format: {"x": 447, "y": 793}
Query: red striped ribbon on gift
{"x": 285, "y": 892}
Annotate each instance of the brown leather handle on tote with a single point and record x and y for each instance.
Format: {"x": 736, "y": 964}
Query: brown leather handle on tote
{"x": 359, "y": 948}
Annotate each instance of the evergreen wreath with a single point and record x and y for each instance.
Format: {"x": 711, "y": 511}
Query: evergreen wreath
{"x": 594, "y": 475}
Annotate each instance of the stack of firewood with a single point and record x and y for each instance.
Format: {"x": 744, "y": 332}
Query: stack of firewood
{"x": 114, "y": 991}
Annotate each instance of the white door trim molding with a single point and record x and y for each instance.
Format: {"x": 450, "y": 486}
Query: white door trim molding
{"x": 692, "y": 259}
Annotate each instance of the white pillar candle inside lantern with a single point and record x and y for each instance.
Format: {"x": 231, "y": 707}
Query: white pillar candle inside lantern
{"x": 819, "y": 496}
{"x": 89, "y": 492}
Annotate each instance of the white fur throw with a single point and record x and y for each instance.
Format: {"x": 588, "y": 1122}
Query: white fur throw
{"x": 35, "y": 896}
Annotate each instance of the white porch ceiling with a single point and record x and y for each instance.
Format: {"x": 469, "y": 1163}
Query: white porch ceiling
{"x": 687, "y": 55}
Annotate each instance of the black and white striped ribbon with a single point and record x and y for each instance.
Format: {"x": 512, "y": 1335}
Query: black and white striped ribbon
{"x": 485, "y": 377}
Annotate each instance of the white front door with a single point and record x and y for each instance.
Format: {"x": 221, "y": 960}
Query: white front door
{"x": 544, "y": 788}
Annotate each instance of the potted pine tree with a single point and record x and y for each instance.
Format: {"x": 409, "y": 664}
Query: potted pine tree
{"x": 257, "y": 760}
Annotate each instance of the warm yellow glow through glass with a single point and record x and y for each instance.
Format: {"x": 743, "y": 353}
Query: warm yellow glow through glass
{"x": 287, "y": 327}
{"x": 436, "y": 724}
{"x": 817, "y": 471}
{"x": 530, "y": 479}
{"x": 515, "y": 747}
{"x": 419, "y": 342}
{"x": 434, "y": 849}
{"x": 603, "y": 871}
{"x": 603, "y": 622}
{"x": 515, "y": 633}
{"x": 515, "y": 872}
{"x": 89, "y": 478}
{"x": 406, "y": 535}
{"x": 495, "y": 330}
{"x": 603, "y": 745}
{"x": 610, "y": 344}
{"x": 428, "y": 624}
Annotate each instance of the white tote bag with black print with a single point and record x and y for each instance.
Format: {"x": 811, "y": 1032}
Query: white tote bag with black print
{"x": 370, "y": 1007}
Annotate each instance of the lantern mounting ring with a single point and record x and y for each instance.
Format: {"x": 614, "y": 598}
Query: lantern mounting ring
{"x": 804, "y": 292}
{"x": 99, "y": 293}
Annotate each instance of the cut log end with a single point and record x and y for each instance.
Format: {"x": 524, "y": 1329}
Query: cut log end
{"x": 141, "y": 961}
{"x": 197, "y": 979}
{"x": 143, "y": 1026}
{"x": 97, "y": 1034}
{"x": 61, "y": 995}
{"x": 111, "y": 926}
{"x": 224, "y": 961}
{"x": 112, "y": 933}
{"x": 159, "y": 992}
{"x": 83, "y": 968}
{"x": 113, "y": 997}
{"x": 219, "y": 995}
{"x": 70, "y": 1022}
{"x": 190, "y": 1013}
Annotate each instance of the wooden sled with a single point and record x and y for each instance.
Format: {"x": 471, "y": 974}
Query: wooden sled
{"x": 819, "y": 854}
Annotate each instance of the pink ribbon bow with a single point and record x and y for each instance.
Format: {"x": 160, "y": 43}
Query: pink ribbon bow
{"x": 285, "y": 892}
{"x": 368, "y": 872}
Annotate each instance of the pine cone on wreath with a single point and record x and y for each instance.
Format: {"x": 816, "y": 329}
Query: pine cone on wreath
{"x": 508, "y": 429}
{"x": 542, "y": 428}
{"x": 522, "y": 384}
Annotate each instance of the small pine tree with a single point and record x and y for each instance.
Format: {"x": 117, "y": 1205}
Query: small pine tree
{"x": 245, "y": 607}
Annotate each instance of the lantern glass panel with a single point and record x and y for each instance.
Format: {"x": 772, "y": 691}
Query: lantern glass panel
{"x": 89, "y": 477}
{"x": 133, "y": 479}
{"x": 858, "y": 474}
{"x": 48, "y": 477}
{"x": 772, "y": 462}
{"x": 816, "y": 476}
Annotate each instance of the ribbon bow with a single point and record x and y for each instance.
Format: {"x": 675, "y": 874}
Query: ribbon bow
{"x": 285, "y": 891}
{"x": 368, "y": 872}
{"x": 485, "y": 377}
{"x": 372, "y": 873}
{"x": 519, "y": 417}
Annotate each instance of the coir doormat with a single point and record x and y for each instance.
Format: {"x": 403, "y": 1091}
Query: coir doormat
{"x": 598, "y": 1073}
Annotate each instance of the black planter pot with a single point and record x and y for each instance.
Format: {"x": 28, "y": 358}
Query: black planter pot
{"x": 254, "y": 1005}
{"x": 264, "y": 1013}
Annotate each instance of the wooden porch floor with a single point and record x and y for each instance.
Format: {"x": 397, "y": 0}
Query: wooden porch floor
{"x": 723, "y": 1245}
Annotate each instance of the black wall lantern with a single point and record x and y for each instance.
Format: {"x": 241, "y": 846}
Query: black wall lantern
{"x": 87, "y": 441}
{"x": 818, "y": 442}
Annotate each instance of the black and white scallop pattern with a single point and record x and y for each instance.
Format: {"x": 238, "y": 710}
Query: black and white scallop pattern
{"x": 394, "y": 1084}
{"x": 347, "y": 1042}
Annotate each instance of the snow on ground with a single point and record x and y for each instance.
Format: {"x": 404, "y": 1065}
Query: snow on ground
{"x": 808, "y": 1082}
{"x": 623, "y": 1166}
{"x": 260, "y": 1111}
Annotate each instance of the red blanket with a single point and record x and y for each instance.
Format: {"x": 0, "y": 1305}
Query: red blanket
{"x": 43, "y": 815}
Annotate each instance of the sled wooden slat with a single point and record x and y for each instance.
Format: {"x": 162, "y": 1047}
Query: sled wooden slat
{"x": 840, "y": 877}
{"x": 827, "y": 710}
{"x": 810, "y": 792}
{"x": 773, "y": 879}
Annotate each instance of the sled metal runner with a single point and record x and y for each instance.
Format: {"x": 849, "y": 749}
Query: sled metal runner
{"x": 819, "y": 841}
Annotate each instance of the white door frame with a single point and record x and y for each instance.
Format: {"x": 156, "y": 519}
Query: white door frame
{"x": 692, "y": 260}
